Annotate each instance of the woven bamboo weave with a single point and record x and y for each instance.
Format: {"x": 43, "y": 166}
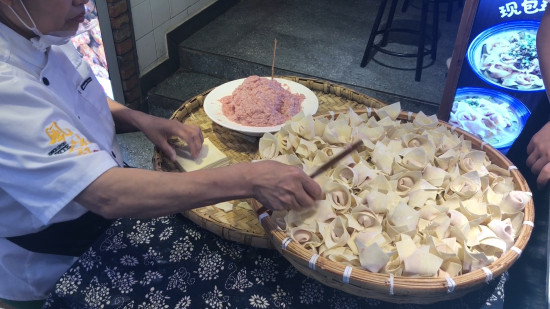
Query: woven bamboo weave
{"x": 404, "y": 289}
{"x": 240, "y": 224}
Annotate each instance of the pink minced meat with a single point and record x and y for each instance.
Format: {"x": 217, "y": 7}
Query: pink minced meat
{"x": 261, "y": 102}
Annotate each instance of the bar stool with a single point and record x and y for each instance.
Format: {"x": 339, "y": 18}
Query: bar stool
{"x": 421, "y": 33}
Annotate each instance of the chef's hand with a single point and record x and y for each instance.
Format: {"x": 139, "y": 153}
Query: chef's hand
{"x": 279, "y": 186}
{"x": 538, "y": 159}
{"x": 159, "y": 130}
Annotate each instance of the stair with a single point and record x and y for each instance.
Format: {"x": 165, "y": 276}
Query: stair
{"x": 200, "y": 71}
{"x": 321, "y": 39}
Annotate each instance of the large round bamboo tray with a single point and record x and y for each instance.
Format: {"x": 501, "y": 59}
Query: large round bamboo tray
{"x": 402, "y": 289}
{"x": 240, "y": 224}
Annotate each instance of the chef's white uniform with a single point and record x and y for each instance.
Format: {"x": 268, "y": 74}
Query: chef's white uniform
{"x": 56, "y": 137}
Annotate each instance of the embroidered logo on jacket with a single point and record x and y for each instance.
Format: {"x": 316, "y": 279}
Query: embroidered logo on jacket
{"x": 66, "y": 140}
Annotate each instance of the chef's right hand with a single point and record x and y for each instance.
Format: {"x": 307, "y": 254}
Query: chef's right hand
{"x": 279, "y": 186}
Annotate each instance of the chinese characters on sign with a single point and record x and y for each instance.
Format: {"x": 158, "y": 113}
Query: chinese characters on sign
{"x": 528, "y": 7}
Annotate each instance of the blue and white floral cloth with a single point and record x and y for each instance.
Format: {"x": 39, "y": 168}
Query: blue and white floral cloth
{"x": 170, "y": 262}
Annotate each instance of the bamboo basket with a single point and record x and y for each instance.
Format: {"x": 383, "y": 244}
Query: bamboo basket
{"x": 242, "y": 225}
{"x": 363, "y": 283}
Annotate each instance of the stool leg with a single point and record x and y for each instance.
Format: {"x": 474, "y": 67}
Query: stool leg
{"x": 449, "y": 9}
{"x": 421, "y": 40}
{"x": 405, "y": 5}
{"x": 435, "y": 29}
{"x": 373, "y": 33}
{"x": 389, "y": 23}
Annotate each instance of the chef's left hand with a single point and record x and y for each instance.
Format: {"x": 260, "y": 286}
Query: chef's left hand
{"x": 538, "y": 152}
{"x": 159, "y": 130}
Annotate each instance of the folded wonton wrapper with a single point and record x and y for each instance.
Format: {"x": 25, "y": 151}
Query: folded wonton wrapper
{"x": 364, "y": 217}
{"x": 503, "y": 230}
{"x": 372, "y": 257}
{"x": 514, "y": 202}
{"x": 391, "y": 111}
{"x": 339, "y": 195}
{"x": 413, "y": 159}
{"x": 406, "y": 181}
{"x": 303, "y": 126}
{"x": 305, "y": 237}
{"x": 380, "y": 202}
{"x": 335, "y": 234}
{"x": 436, "y": 176}
{"x": 475, "y": 160}
{"x": 306, "y": 149}
{"x": 425, "y": 122}
{"x": 342, "y": 255}
{"x": 269, "y": 146}
{"x": 382, "y": 158}
{"x": 421, "y": 262}
{"x": 403, "y": 219}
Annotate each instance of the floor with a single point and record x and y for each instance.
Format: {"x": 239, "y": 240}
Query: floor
{"x": 5, "y": 306}
{"x": 321, "y": 39}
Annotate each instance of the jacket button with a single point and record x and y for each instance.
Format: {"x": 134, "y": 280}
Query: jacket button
{"x": 45, "y": 81}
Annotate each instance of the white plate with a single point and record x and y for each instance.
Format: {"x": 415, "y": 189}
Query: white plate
{"x": 213, "y": 106}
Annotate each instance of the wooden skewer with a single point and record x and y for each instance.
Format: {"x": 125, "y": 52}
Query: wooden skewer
{"x": 324, "y": 167}
{"x": 336, "y": 158}
{"x": 273, "y": 64}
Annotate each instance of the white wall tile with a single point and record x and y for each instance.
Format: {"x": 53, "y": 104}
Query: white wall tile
{"x": 142, "y": 19}
{"x": 160, "y": 39}
{"x": 153, "y": 19}
{"x": 146, "y": 51}
{"x": 178, "y": 6}
{"x": 198, "y": 6}
{"x": 179, "y": 19}
{"x": 135, "y": 2}
{"x": 160, "y": 11}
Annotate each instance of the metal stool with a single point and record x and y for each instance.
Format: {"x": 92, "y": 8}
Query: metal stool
{"x": 421, "y": 33}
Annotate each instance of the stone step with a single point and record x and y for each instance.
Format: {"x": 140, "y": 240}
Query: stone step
{"x": 181, "y": 86}
{"x": 200, "y": 71}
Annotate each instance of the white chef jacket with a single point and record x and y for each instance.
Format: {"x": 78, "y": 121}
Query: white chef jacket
{"x": 56, "y": 137}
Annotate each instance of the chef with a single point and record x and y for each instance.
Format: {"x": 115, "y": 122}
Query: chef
{"x": 62, "y": 178}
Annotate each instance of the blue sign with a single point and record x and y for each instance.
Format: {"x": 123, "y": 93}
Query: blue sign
{"x": 502, "y": 69}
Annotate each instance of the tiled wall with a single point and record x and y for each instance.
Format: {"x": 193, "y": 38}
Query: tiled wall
{"x": 152, "y": 19}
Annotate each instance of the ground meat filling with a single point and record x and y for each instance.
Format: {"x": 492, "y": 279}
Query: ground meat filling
{"x": 261, "y": 102}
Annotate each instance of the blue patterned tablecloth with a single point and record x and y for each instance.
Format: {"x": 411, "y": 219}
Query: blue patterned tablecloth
{"x": 170, "y": 262}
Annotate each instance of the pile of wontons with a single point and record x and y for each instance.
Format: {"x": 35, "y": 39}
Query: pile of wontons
{"x": 414, "y": 200}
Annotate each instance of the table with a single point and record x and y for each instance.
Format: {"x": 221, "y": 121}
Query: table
{"x": 171, "y": 262}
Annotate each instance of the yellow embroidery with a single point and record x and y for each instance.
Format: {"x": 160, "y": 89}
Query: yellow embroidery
{"x": 56, "y": 134}
{"x": 79, "y": 144}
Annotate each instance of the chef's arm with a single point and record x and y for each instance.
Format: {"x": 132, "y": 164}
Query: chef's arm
{"x": 137, "y": 193}
{"x": 126, "y": 119}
